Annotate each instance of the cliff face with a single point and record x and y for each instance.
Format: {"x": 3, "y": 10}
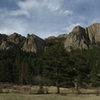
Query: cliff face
{"x": 5, "y": 45}
{"x": 33, "y": 44}
{"x": 79, "y": 38}
{"x": 63, "y": 36}
{"x": 16, "y": 39}
{"x": 82, "y": 38}
{"x": 93, "y": 32}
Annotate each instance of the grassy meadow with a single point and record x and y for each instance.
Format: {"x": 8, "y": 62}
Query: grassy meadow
{"x": 47, "y": 97}
{"x": 30, "y": 93}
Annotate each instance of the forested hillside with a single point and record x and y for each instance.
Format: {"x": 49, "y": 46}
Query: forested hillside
{"x": 53, "y": 66}
{"x": 69, "y": 60}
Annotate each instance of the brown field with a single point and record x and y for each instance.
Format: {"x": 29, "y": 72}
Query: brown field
{"x": 30, "y": 93}
{"x": 51, "y": 90}
{"x": 47, "y": 97}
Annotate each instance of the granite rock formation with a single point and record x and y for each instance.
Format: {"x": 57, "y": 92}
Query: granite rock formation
{"x": 62, "y": 36}
{"x": 79, "y": 38}
{"x": 83, "y": 38}
{"x": 16, "y": 39}
{"x": 93, "y": 32}
{"x": 33, "y": 44}
{"x": 5, "y": 45}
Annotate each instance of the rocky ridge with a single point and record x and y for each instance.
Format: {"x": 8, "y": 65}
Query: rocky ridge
{"x": 31, "y": 43}
{"x": 79, "y": 38}
{"x": 82, "y": 38}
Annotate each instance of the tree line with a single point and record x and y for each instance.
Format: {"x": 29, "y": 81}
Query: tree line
{"x": 52, "y": 67}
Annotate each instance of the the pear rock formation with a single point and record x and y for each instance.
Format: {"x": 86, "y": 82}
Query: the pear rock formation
{"x": 33, "y": 44}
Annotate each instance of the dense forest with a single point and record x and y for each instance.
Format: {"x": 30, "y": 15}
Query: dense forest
{"x": 52, "y": 67}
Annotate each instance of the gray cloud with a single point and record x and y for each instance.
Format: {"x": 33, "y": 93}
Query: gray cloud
{"x": 47, "y": 17}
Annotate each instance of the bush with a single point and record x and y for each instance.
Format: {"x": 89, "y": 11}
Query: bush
{"x": 41, "y": 90}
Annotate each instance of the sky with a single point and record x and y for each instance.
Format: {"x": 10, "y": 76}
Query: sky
{"x": 47, "y": 17}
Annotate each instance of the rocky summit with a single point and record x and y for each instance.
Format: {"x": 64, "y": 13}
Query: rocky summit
{"x": 16, "y": 38}
{"x": 93, "y": 32}
{"x": 79, "y": 38}
{"x": 82, "y": 38}
{"x": 33, "y": 44}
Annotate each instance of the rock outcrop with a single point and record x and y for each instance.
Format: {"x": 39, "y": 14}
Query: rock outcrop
{"x": 93, "y": 32}
{"x": 77, "y": 39}
{"x": 5, "y": 45}
{"x": 50, "y": 38}
{"x": 3, "y": 37}
{"x": 16, "y": 39}
{"x": 62, "y": 36}
{"x": 83, "y": 38}
{"x": 33, "y": 44}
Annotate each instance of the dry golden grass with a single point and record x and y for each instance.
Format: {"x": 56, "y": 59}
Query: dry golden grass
{"x": 51, "y": 90}
{"x": 29, "y": 93}
{"x": 47, "y": 97}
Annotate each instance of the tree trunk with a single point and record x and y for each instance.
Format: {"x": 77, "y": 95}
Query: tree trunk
{"x": 58, "y": 90}
{"x": 76, "y": 85}
{"x": 21, "y": 80}
{"x": 57, "y": 84}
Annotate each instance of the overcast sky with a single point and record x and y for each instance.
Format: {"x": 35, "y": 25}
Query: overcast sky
{"x": 47, "y": 17}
